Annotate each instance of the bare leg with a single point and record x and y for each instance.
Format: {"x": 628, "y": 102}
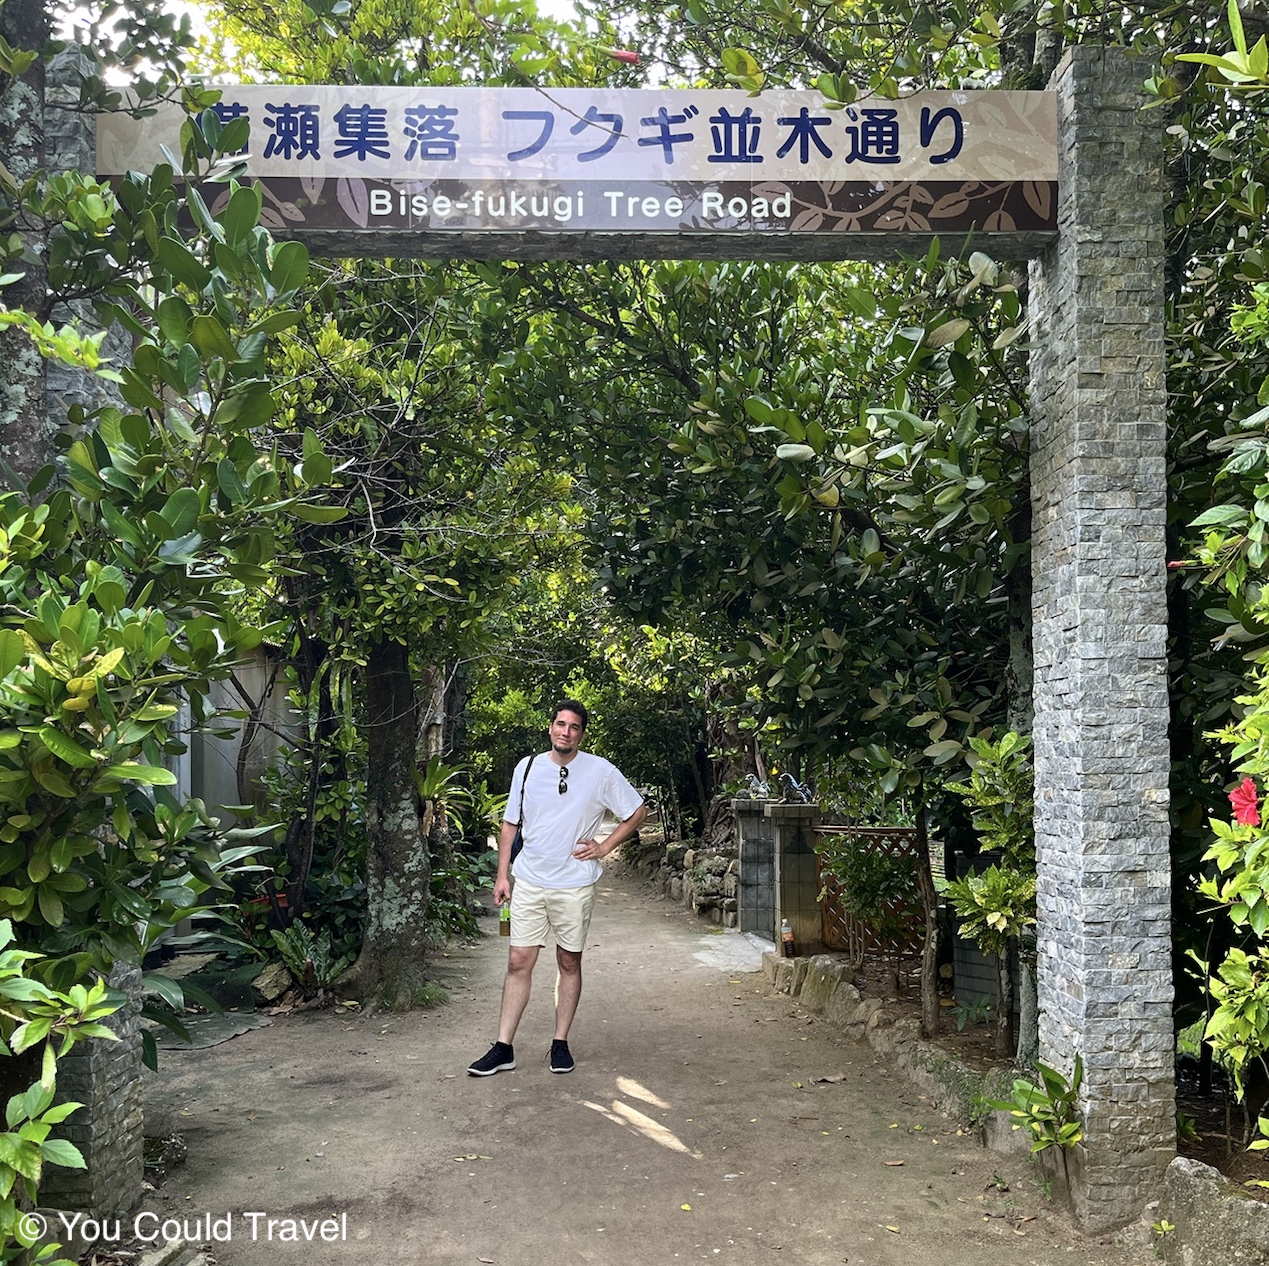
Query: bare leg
{"x": 568, "y": 989}
{"x": 515, "y": 989}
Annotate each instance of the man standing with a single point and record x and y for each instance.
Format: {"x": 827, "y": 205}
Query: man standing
{"x": 558, "y": 800}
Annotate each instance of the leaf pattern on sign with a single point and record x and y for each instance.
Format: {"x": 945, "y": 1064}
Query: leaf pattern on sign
{"x": 950, "y": 204}
{"x": 355, "y": 200}
{"x": 1000, "y": 222}
{"x": 287, "y": 210}
{"x": 845, "y": 207}
{"x": 902, "y": 220}
{"x": 841, "y": 206}
{"x": 1039, "y": 197}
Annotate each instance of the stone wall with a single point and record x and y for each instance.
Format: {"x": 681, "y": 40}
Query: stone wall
{"x": 1101, "y": 703}
{"x": 705, "y": 880}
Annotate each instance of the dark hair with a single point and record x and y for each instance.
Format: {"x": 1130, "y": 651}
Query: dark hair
{"x": 571, "y": 705}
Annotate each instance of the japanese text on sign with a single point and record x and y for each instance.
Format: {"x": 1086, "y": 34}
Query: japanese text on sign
{"x": 460, "y": 133}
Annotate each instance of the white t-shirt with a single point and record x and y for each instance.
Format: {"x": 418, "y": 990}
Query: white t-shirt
{"x": 553, "y": 823}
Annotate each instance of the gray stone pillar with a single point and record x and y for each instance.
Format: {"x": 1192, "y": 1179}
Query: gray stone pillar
{"x": 756, "y": 896}
{"x": 24, "y": 437}
{"x": 108, "y": 1130}
{"x": 42, "y": 130}
{"x": 796, "y": 880}
{"x": 1099, "y": 493}
{"x": 71, "y": 140}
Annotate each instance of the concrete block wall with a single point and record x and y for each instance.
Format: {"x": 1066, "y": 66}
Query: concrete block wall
{"x": 796, "y": 876}
{"x": 756, "y": 899}
{"x": 1099, "y": 494}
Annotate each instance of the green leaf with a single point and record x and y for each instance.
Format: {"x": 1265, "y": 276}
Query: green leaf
{"x": 65, "y": 748}
{"x": 181, "y": 510}
{"x": 53, "y": 780}
{"x": 317, "y": 514}
{"x": 242, "y": 213}
{"x": 133, "y": 902}
{"x": 316, "y": 469}
{"x": 146, "y": 775}
{"x": 12, "y": 651}
{"x": 1224, "y": 516}
{"x": 167, "y": 989}
{"x": 62, "y": 1152}
{"x": 20, "y": 1154}
{"x": 863, "y": 302}
{"x": 155, "y": 712}
{"x": 275, "y": 323}
{"x": 212, "y": 339}
{"x": 182, "y": 550}
{"x": 290, "y": 268}
{"x": 174, "y": 316}
{"x": 181, "y": 262}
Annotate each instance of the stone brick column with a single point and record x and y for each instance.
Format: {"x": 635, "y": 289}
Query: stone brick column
{"x": 71, "y": 139}
{"x": 108, "y": 1130}
{"x": 797, "y": 886}
{"x": 104, "y": 1076}
{"x": 1099, "y": 493}
{"x": 756, "y": 898}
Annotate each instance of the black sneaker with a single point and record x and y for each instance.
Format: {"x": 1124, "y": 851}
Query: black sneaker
{"x": 501, "y": 1058}
{"x": 561, "y": 1058}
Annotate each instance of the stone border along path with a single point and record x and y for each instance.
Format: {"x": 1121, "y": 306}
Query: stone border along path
{"x": 709, "y": 1118}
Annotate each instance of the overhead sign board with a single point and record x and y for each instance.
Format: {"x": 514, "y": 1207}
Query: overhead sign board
{"x": 496, "y": 160}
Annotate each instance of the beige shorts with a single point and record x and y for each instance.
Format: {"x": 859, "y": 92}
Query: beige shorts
{"x": 565, "y": 911}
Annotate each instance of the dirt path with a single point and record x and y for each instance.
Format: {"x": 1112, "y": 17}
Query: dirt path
{"x": 693, "y": 1128}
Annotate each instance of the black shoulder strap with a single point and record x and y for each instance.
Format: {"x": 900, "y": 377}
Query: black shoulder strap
{"x": 524, "y": 780}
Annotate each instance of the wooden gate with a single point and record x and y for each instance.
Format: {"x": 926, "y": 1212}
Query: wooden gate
{"x": 841, "y": 930}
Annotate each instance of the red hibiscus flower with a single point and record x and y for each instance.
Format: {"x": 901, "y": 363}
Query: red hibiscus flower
{"x": 1246, "y": 803}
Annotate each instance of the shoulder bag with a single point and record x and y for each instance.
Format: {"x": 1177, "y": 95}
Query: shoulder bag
{"x": 518, "y": 843}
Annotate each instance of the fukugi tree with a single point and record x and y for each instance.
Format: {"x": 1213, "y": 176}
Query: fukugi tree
{"x": 440, "y": 513}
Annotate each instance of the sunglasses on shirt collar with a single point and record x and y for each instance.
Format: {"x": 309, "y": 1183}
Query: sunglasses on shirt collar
{"x": 563, "y": 779}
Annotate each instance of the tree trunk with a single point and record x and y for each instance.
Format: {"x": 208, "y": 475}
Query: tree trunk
{"x": 930, "y": 950}
{"x": 398, "y": 865}
{"x": 1020, "y": 669}
{"x": 1004, "y": 1007}
{"x": 1028, "y": 1007}
{"x": 457, "y": 746}
{"x": 728, "y": 769}
{"x": 442, "y": 841}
